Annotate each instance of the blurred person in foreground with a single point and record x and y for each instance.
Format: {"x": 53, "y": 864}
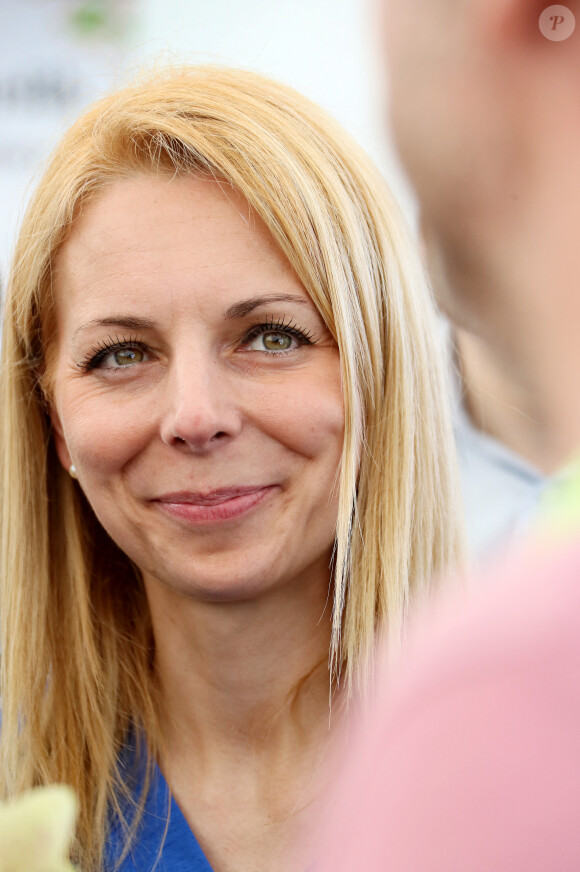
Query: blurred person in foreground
{"x": 226, "y": 465}
{"x": 470, "y": 760}
{"x": 484, "y": 114}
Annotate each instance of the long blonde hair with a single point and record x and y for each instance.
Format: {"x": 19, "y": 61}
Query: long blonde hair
{"x": 76, "y": 639}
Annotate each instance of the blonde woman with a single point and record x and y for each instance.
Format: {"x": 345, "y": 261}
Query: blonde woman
{"x": 226, "y": 466}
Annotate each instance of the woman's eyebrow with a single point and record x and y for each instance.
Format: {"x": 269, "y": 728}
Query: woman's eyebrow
{"x": 240, "y": 310}
{"x": 126, "y": 321}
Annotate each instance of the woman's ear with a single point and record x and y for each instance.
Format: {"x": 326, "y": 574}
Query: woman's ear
{"x": 59, "y": 440}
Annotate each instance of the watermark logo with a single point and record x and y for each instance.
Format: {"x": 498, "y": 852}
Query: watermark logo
{"x": 557, "y": 23}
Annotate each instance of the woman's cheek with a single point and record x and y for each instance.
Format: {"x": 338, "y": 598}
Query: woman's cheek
{"x": 103, "y": 438}
{"x": 306, "y": 411}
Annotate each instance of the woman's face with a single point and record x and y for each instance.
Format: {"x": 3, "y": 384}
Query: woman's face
{"x": 196, "y": 390}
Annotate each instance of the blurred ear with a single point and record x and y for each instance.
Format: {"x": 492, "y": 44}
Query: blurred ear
{"x": 514, "y": 23}
{"x": 59, "y": 440}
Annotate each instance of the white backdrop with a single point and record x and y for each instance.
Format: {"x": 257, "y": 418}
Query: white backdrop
{"x": 328, "y": 49}
{"x": 57, "y": 55}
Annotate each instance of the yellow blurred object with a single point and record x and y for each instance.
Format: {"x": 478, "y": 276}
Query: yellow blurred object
{"x": 559, "y": 517}
{"x": 36, "y": 830}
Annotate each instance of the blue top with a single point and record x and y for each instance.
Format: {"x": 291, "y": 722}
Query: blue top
{"x": 163, "y": 842}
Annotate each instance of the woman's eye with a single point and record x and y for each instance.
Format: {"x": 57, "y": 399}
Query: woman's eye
{"x": 272, "y": 341}
{"x": 123, "y": 357}
{"x": 115, "y": 354}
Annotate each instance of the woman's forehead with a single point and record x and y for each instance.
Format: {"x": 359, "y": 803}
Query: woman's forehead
{"x": 188, "y": 234}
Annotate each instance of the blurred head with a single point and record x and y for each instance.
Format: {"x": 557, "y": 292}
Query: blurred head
{"x": 324, "y": 212}
{"x": 481, "y": 103}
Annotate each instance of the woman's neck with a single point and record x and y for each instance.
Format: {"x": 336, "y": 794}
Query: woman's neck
{"x": 245, "y": 721}
{"x": 232, "y": 673}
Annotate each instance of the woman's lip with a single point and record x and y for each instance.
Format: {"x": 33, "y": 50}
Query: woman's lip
{"x": 219, "y": 505}
{"x": 211, "y": 498}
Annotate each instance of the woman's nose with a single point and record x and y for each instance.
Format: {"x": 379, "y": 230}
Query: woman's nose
{"x": 201, "y": 409}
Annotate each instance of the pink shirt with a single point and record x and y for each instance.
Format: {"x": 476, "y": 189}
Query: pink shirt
{"x": 472, "y": 759}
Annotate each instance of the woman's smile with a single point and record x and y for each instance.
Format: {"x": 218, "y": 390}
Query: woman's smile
{"x": 189, "y": 352}
{"x": 217, "y": 506}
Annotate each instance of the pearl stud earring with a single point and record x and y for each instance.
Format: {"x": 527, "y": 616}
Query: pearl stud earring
{"x": 72, "y": 471}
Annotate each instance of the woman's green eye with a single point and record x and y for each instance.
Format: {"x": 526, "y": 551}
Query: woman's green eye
{"x": 128, "y": 356}
{"x": 276, "y": 341}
